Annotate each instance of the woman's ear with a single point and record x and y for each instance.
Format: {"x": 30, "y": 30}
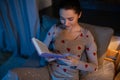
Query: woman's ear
{"x": 80, "y": 14}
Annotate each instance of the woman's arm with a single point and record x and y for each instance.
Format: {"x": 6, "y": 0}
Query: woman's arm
{"x": 48, "y": 39}
{"x": 49, "y": 35}
{"x": 91, "y": 51}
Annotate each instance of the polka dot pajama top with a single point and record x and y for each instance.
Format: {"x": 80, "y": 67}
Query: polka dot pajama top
{"x": 83, "y": 42}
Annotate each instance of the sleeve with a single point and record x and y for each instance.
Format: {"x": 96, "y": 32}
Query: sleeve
{"x": 48, "y": 40}
{"x": 49, "y": 35}
{"x": 91, "y": 50}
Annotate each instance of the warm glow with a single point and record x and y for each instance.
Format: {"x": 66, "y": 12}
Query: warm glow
{"x": 115, "y": 43}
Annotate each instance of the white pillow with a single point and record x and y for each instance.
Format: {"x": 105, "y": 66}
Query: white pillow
{"x": 104, "y": 73}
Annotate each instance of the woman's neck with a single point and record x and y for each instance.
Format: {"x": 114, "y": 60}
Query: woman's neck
{"x": 75, "y": 28}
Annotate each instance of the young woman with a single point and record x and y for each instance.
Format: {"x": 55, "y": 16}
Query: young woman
{"x": 71, "y": 39}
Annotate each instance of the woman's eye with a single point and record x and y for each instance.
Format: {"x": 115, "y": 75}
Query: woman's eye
{"x": 71, "y": 19}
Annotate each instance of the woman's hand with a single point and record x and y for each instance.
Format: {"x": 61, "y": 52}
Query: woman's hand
{"x": 50, "y": 59}
{"x": 70, "y": 60}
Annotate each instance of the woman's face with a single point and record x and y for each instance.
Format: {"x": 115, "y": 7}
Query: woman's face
{"x": 69, "y": 18}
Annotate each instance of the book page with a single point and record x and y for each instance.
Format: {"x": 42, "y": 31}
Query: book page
{"x": 40, "y": 46}
{"x": 43, "y": 50}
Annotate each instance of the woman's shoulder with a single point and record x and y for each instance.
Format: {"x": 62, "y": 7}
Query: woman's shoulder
{"x": 56, "y": 28}
{"x": 84, "y": 29}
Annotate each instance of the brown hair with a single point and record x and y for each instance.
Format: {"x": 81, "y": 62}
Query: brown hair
{"x": 70, "y": 4}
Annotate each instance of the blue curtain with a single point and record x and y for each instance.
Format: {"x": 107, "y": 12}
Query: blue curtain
{"x": 19, "y": 22}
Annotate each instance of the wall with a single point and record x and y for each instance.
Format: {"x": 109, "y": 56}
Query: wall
{"x": 41, "y": 4}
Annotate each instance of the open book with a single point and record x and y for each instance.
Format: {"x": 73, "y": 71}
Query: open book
{"x": 43, "y": 50}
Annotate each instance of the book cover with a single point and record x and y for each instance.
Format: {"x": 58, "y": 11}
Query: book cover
{"x": 43, "y": 50}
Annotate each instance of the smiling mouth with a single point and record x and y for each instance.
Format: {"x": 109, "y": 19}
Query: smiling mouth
{"x": 67, "y": 26}
{"x": 64, "y": 26}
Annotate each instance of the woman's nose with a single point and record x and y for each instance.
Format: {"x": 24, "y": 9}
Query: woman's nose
{"x": 66, "y": 23}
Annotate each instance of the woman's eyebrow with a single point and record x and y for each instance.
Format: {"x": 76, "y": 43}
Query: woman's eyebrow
{"x": 70, "y": 18}
{"x": 67, "y": 18}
